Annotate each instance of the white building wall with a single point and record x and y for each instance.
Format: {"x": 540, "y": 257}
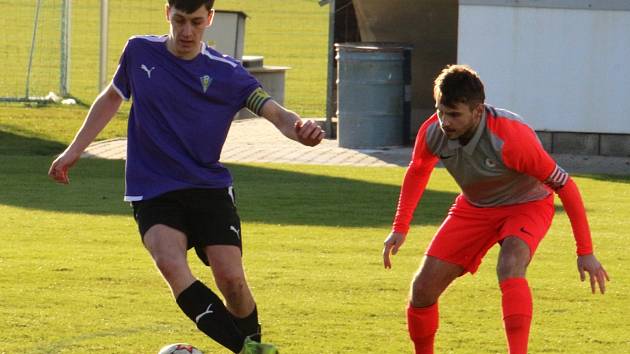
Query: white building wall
{"x": 565, "y": 70}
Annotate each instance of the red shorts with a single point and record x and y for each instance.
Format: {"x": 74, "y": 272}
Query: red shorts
{"x": 468, "y": 232}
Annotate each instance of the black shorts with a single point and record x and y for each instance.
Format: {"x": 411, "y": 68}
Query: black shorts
{"x": 206, "y": 216}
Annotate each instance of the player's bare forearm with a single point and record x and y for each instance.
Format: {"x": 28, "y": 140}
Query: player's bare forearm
{"x": 102, "y": 111}
{"x": 291, "y": 125}
{"x": 283, "y": 119}
{"x": 286, "y": 123}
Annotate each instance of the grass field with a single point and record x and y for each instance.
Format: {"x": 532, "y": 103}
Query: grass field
{"x": 289, "y": 33}
{"x": 75, "y": 279}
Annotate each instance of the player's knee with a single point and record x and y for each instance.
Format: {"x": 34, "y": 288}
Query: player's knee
{"x": 512, "y": 266}
{"x": 230, "y": 282}
{"x": 513, "y": 259}
{"x": 422, "y": 293}
{"x": 168, "y": 266}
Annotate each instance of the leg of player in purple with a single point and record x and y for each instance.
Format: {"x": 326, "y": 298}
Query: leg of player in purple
{"x": 207, "y": 310}
{"x": 227, "y": 268}
{"x": 168, "y": 248}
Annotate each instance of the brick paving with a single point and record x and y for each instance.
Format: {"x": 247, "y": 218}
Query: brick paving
{"x": 257, "y": 140}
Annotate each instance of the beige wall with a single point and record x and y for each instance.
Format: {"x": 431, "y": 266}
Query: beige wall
{"x": 429, "y": 25}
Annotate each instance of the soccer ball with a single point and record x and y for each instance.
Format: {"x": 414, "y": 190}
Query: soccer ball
{"x": 179, "y": 348}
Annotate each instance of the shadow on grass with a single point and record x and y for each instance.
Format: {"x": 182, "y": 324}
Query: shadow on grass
{"x": 606, "y": 178}
{"x": 276, "y": 196}
{"x": 263, "y": 194}
{"x": 14, "y": 144}
{"x": 96, "y": 186}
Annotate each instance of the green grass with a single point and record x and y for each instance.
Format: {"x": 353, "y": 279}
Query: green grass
{"x": 288, "y": 33}
{"x": 76, "y": 279}
{"x": 46, "y": 130}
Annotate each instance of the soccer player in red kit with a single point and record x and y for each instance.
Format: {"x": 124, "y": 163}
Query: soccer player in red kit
{"x": 508, "y": 183}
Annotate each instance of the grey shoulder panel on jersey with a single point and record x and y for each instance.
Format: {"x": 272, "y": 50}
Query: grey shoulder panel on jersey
{"x": 504, "y": 113}
{"x": 435, "y": 138}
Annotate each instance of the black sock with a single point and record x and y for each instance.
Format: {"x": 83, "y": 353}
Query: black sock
{"x": 207, "y": 310}
{"x": 249, "y": 325}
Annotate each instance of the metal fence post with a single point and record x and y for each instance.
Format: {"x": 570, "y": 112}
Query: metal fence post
{"x": 102, "y": 72}
{"x": 64, "y": 67}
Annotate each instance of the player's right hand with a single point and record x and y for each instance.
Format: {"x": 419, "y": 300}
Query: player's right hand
{"x": 391, "y": 245}
{"x": 309, "y": 133}
{"x": 59, "y": 168}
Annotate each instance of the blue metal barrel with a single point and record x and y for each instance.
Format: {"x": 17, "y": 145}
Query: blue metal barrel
{"x": 373, "y": 83}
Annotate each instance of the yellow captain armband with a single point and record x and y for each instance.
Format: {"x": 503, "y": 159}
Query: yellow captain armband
{"x": 257, "y": 100}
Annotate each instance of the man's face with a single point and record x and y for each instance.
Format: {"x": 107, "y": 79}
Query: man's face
{"x": 187, "y": 30}
{"x": 459, "y": 121}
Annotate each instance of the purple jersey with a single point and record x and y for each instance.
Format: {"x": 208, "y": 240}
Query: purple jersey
{"x": 180, "y": 116}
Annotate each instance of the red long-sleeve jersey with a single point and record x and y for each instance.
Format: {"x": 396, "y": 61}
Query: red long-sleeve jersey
{"x": 504, "y": 163}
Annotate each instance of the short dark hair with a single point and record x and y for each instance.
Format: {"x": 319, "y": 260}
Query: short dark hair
{"x": 458, "y": 84}
{"x": 190, "y": 6}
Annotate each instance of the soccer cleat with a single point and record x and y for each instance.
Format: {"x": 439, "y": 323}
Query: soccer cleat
{"x": 250, "y": 346}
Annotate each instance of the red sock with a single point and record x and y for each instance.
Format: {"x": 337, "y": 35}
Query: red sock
{"x": 517, "y": 313}
{"x": 422, "y": 323}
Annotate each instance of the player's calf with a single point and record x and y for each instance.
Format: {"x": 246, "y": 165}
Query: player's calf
{"x": 517, "y": 313}
{"x": 207, "y": 310}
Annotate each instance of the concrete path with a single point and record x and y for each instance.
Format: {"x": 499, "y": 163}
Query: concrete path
{"x": 257, "y": 140}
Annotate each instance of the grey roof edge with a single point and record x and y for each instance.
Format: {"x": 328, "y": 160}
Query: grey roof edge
{"x": 614, "y": 5}
{"x": 232, "y": 12}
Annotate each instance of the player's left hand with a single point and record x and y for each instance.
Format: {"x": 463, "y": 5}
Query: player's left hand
{"x": 391, "y": 245}
{"x": 596, "y": 272}
{"x": 309, "y": 133}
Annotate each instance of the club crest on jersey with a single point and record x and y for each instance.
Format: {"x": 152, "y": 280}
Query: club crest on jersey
{"x": 491, "y": 163}
{"x": 206, "y": 81}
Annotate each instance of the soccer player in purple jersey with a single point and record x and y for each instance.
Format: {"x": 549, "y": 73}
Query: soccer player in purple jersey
{"x": 185, "y": 96}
